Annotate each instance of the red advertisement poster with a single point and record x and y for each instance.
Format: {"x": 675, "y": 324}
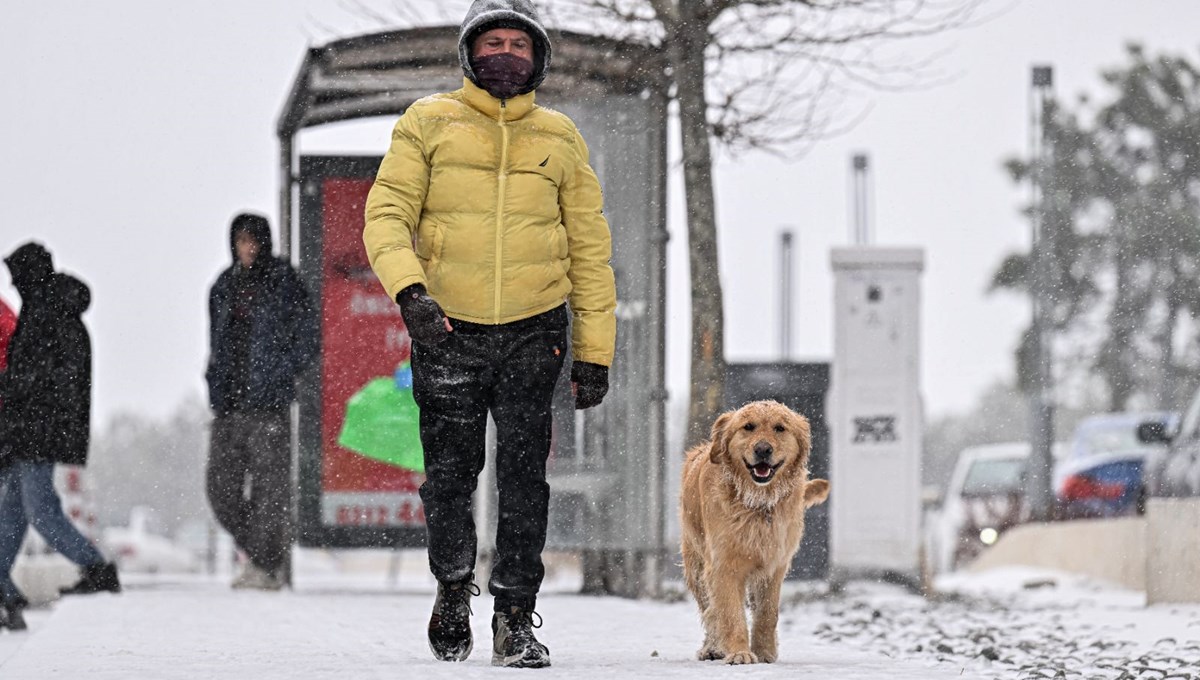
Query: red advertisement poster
{"x": 364, "y": 404}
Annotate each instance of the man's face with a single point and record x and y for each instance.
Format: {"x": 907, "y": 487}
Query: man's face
{"x": 247, "y": 249}
{"x": 503, "y": 41}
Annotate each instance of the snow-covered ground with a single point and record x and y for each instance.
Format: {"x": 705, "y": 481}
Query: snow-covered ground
{"x": 360, "y": 625}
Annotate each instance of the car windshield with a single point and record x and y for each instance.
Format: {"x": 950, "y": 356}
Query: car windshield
{"x": 1191, "y": 419}
{"x": 994, "y": 477}
{"x": 1110, "y": 439}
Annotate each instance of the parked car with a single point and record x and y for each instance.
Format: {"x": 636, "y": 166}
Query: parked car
{"x": 983, "y": 493}
{"x": 984, "y": 498}
{"x": 138, "y": 549}
{"x": 1174, "y": 470}
{"x": 1101, "y": 475}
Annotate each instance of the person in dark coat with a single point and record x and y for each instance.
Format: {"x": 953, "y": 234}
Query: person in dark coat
{"x": 45, "y": 417}
{"x": 262, "y": 334}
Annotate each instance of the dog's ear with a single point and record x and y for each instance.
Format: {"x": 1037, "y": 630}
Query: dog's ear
{"x": 802, "y": 431}
{"x": 815, "y": 492}
{"x": 719, "y": 446}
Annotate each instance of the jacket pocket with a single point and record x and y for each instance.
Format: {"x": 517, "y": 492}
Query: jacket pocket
{"x": 429, "y": 241}
{"x": 560, "y": 245}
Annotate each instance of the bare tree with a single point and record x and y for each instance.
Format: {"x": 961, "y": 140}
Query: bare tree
{"x": 757, "y": 74}
{"x": 753, "y": 74}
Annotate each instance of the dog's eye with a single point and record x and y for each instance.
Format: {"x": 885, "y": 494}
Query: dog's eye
{"x": 780, "y": 428}
{"x": 749, "y": 427}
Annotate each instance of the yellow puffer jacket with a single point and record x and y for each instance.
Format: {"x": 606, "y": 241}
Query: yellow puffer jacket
{"x": 495, "y": 209}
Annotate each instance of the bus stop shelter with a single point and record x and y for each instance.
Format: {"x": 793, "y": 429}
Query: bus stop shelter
{"x": 607, "y": 467}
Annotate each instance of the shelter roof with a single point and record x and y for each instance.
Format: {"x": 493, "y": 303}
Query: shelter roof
{"x": 383, "y": 73}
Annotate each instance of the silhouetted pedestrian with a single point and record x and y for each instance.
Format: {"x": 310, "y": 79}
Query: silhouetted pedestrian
{"x": 45, "y": 418}
{"x": 262, "y": 333}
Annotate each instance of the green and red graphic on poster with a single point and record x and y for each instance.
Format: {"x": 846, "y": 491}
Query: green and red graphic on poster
{"x": 371, "y": 456}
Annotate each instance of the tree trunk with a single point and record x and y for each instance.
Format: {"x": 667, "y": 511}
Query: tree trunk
{"x": 688, "y": 39}
{"x": 1117, "y": 354}
{"x": 1170, "y": 376}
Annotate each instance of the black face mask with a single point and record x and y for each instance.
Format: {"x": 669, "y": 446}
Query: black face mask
{"x": 502, "y": 75}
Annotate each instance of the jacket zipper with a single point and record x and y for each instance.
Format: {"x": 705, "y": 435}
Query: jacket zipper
{"x": 500, "y": 209}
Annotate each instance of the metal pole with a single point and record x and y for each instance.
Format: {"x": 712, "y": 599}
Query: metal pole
{"x": 659, "y": 498}
{"x": 862, "y": 192}
{"x": 285, "y": 198}
{"x": 1041, "y": 436}
{"x": 785, "y": 296}
{"x": 285, "y": 252}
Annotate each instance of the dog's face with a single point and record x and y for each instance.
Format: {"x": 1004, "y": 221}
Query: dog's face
{"x": 762, "y": 445}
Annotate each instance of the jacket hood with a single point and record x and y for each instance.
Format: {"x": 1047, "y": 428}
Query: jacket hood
{"x": 30, "y": 265}
{"x": 73, "y": 296}
{"x": 488, "y": 14}
{"x": 258, "y": 228}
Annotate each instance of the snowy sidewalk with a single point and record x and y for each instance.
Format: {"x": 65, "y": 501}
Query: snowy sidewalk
{"x": 351, "y": 629}
{"x": 203, "y": 630}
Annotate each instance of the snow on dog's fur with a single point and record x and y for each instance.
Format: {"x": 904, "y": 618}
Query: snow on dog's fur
{"x": 742, "y": 503}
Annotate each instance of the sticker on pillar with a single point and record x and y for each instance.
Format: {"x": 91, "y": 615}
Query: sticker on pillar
{"x": 874, "y": 429}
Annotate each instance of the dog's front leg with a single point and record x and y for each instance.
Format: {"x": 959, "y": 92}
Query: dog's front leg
{"x": 726, "y": 615}
{"x": 694, "y": 575}
{"x": 764, "y": 640}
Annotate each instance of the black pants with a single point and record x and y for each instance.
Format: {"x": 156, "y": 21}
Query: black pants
{"x": 250, "y": 483}
{"x": 508, "y": 370}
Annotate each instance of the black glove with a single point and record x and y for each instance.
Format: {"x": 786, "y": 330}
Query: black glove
{"x": 590, "y": 382}
{"x": 422, "y": 315}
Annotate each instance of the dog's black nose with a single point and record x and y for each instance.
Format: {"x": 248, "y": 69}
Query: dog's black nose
{"x": 762, "y": 452}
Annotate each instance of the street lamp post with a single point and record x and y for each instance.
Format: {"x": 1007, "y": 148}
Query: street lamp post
{"x": 786, "y": 285}
{"x": 1041, "y": 390}
{"x": 860, "y": 176}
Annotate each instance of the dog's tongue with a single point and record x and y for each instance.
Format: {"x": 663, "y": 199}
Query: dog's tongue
{"x": 762, "y": 470}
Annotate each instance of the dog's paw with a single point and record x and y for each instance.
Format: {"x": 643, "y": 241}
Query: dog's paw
{"x": 741, "y": 657}
{"x": 766, "y": 656}
{"x": 765, "y": 647}
{"x": 708, "y": 653}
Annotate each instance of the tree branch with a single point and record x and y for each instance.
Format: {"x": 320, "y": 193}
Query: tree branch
{"x": 666, "y": 11}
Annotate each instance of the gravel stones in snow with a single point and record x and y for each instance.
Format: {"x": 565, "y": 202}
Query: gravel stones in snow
{"x": 999, "y": 637}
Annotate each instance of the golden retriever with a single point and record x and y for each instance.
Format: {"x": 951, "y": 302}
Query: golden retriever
{"x": 742, "y": 502}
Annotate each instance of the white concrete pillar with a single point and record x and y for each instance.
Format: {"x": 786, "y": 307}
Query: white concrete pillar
{"x": 875, "y": 413}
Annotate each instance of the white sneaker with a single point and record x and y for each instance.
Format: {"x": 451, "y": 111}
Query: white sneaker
{"x": 254, "y": 578}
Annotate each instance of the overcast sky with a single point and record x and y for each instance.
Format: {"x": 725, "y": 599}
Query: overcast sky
{"x": 133, "y": 130}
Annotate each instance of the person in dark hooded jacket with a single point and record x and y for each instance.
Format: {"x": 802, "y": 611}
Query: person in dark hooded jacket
{"x": 45, "y": 416}
{"x": 486, "y": 225}
{"x": 262, "y": 334}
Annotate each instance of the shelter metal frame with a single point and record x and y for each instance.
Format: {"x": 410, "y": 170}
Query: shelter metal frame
{"x": 384, "y": 73}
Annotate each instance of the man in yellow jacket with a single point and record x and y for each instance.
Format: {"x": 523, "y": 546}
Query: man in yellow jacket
{"x": 484, "y": 222}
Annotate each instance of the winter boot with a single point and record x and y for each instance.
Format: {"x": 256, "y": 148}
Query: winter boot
{"x": 253, "y": 577}
{"x": 450, "y": 623}
{"x": 12, "y": 615}
{"x": 97, "y": 578}
{"x": 513, "y": 643}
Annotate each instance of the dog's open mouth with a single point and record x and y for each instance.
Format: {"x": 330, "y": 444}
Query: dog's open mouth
{"x": 762, "y": 473}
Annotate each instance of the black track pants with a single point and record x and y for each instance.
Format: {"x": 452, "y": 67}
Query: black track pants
{"x": 250, "y": 482}
{"x": 509, "y": 370}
